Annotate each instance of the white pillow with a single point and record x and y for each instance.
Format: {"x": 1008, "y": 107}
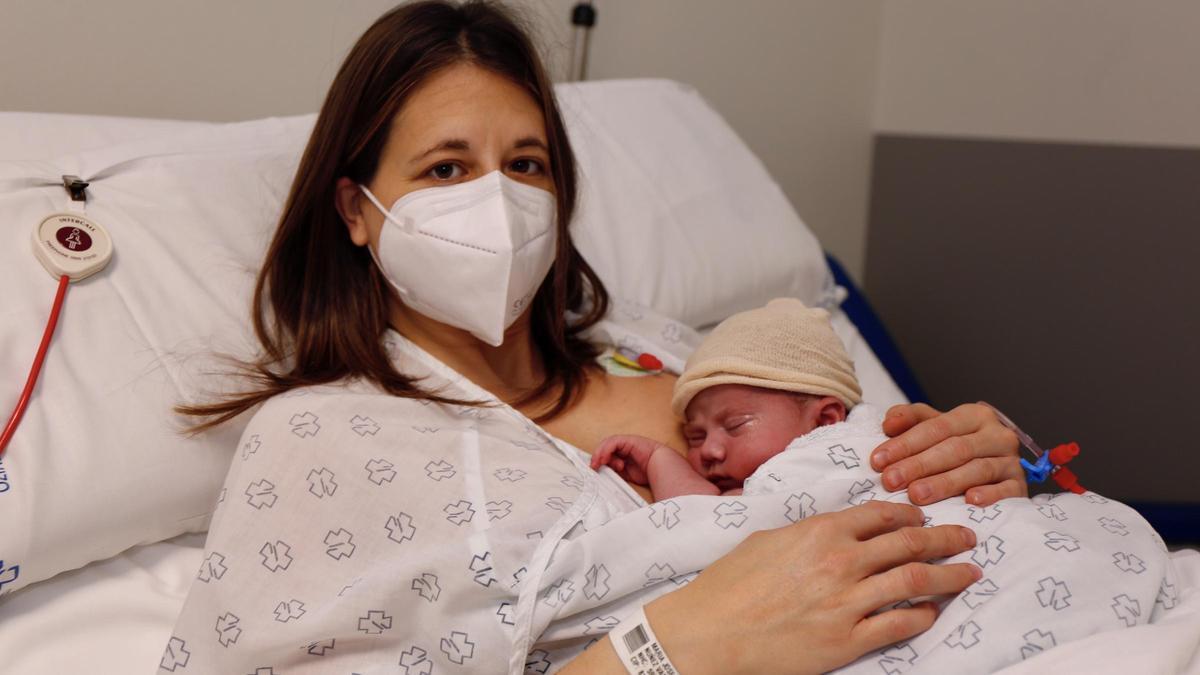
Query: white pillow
{"x": 99, "y": 464}
{"x": 36, "y": 136}
{"x": 675, "y": 211}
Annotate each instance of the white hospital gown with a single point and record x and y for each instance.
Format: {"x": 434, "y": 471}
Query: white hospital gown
{"x": 361, "y": 532}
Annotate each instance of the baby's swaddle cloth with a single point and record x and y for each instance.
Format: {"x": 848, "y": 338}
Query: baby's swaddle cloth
{"x": 1055, "y": 567}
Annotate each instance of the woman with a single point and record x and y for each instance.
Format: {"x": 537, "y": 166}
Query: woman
{"x": 414, "y": 465}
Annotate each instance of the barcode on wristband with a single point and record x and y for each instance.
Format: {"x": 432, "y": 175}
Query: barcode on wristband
{"x": 635, "y": 638}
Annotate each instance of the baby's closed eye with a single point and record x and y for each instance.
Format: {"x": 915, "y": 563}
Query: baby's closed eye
{"x": 739, "y": 422}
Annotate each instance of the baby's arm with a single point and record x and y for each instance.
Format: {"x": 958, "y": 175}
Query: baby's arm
{"x": 647, "y": 462}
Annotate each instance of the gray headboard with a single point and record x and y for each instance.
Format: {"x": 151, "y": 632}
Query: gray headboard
{"x": 1059, "y": 282}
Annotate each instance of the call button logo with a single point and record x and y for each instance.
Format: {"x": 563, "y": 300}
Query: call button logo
{"x": 73, "y": 239}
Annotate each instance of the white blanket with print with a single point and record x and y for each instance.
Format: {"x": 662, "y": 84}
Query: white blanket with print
{"x": 1056, "y": 568}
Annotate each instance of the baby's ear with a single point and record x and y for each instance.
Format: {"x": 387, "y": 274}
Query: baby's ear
{"x": 830, "y": 410}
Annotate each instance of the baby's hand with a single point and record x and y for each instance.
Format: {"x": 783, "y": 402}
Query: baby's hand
{"x": 629, "y": 456}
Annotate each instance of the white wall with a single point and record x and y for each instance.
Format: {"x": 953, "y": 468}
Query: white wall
{"x": 216, "y": 60}
{"x": 795, "y": 78}
{"x": 1102, "y": 71}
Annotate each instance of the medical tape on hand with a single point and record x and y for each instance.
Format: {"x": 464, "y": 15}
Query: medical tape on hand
{"x": 638, "y": 647}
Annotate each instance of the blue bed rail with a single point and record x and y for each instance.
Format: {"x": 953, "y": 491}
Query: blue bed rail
{"x": 859, "y": 310}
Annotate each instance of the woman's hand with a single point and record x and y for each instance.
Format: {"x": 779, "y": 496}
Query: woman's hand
{"x": 799, "y": 599}
{"x": 939, "y": 455}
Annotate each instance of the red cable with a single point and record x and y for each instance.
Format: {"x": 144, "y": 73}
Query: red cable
{"x": 11, "y": 427}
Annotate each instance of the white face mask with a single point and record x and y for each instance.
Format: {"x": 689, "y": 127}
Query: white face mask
{"x": 470, "y": 255}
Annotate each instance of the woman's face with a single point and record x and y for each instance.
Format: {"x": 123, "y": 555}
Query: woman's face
{"x": 461, "y": 123}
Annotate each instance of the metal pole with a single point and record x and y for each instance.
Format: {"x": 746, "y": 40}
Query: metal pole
{"x": 583, "y": 17}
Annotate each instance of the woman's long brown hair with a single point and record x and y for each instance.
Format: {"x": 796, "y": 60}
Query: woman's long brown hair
{"x": 320, "y": 304}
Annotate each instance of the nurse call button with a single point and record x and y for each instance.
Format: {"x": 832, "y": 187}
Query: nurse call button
{"x": 72, "y": 245}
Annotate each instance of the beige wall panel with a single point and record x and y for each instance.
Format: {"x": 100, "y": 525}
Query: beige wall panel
{"x": 1103, "y": 71}
{"x": 216, "y": 60}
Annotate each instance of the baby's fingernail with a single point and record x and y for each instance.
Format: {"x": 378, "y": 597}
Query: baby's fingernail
{"x": 976, "y": 572}
{"x": 893, "y": 478}
{"x": 975, "y": 498}
{"x": 921, "y": 491}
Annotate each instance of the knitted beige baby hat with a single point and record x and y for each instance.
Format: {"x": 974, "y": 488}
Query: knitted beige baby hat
{"x": 784, "y": 345}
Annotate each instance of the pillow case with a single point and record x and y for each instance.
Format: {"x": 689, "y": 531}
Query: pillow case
{"x": 35, "y": 136}
{"x": 99, "y": 463}
{"x": 676, "y": 212}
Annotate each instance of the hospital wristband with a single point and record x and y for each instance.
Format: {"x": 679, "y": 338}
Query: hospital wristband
{"x": 638, "y": 648}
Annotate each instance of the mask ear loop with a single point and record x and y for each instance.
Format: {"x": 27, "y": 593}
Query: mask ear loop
{"x": 371, "y": 249}
{"x": 407, "y": 225}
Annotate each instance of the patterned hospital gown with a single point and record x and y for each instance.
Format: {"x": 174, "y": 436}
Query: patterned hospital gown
{"x": 359, "y": 532}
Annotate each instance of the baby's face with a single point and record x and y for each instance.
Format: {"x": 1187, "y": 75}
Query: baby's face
{"x": 731, "y": 429}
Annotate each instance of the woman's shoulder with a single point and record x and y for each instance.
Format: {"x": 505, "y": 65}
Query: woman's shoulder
{"x": 328, "y": 410}
{"x": 320, "y": 397}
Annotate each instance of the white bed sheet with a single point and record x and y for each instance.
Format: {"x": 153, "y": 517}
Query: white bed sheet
{"x": 110, "y": 617}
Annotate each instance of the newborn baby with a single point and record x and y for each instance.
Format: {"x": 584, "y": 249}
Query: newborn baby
{"x": 761, "y": 379}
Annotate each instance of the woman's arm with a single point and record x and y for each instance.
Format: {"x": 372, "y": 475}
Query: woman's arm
{"x": 938, "y": 455}
{"x": 800, "y": 599}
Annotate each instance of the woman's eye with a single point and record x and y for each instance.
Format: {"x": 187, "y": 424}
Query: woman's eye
{"x": 446, "y": 171}
{"x": 527, "y": 166}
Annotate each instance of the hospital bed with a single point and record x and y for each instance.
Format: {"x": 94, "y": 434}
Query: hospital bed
{"x": 104, "y": 502}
